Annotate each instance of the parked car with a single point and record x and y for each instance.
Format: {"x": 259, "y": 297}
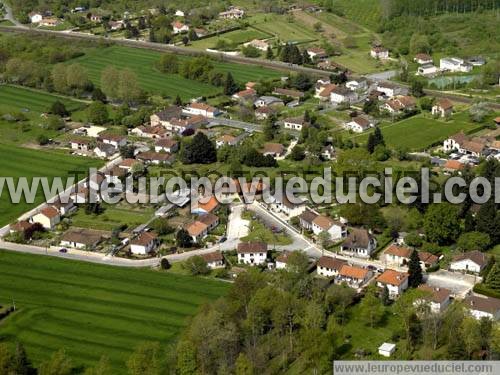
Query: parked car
{"x": 63, "y": 250}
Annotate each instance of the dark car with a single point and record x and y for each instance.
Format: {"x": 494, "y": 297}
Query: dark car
{"x": 63, "y": 250}
{"x": 223, "y": 239}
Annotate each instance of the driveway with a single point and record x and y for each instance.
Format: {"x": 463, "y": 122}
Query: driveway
{"x": 460, "y": 284}
{"x": 237, "y": 227}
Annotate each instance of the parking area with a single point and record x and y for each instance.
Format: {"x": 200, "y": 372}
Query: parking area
{"x": 460, "y": 284}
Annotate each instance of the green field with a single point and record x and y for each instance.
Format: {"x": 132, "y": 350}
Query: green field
{"x": 142, "y": 62}
{"x": 364, "y": 12}
{"x": 233, "y": 38}
{"x": 22, "y": 99}
{"x": 93, "y": 310}
{"x": 418, "y": 132}
{"x": 281, "y": 28}
{"x": 22, "y": 162}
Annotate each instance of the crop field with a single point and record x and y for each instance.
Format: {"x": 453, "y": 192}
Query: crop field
{"x": 26, "y": 100}
{"x": 282, "y": 28}
{"x": 364, "y": 12}
{"x": 93, "y": 310}
{"x": 142, "y": 62}
{"x": 417, "y": 133}
{"x": 22, "y": 162}
{"x": 233, "y": 38}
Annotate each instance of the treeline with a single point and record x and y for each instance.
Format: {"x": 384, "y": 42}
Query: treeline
{"x": 395, "y": 8}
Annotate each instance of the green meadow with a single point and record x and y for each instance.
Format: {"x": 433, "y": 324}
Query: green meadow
{"x": 93, "y": 310}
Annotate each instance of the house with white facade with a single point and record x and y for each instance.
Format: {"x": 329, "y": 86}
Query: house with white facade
{"x": 436, "y": 298}
{"x": 442, "y": 108}
{"x": 341, "y": 94}
{"x": 483, "y": 307}
{"x": 359, "y": 124}
{"x": 359, "y": 243}
{"x": 353, "y": 276}
{"x": 214, "y": 260}
{"x": 49, "y": 217}
{"x": 380, "y": 53}
{"x": 472, "y": 261}
{"x": 144, "y": 243}
{"x": 232, "y": 13}
{"x": 268, "y": 101}
{"x": 169, "y": 145}
{"x": 252, "y": 253}
{"x": 35, "y": 17}
{"x": 463, "y": 144}
{"x": 282, "y": 204}
{"x": 294, "y": 123}
{"x": 426, "y": 70}
{"x": 423, "y": 58}
{"x": 335, "y": 229}
{"x": 329, "y": 267}
{"x": 261, "y": 45}
{"x": 396, "y": 282}
{"x": 163, "y": 117}
{"x": 115, "y": 140}
{"x": 179, "y": 27}
{"x": 389, "y": 89}
{"x": 201, "y": 109}
{"x": 80, "y": 238}
{"x": 398, "y": 255}
{"x": 454, "y": 64}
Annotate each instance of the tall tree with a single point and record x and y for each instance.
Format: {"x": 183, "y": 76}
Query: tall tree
{"x": 371, "y": 307}
{"x": 145, "y": 359}
{"x": 488, "y": 221}
{"x": 442, "y": 223}
{"x": 200, "y": 150}
{"x": 230, "y": 86}
{"x": 414, "y": 270}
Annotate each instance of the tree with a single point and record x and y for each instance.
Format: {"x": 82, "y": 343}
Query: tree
{"x": 473, "y": 241}
{"x": 414, "y": 270}
{"x": 127, "y": 151}
{"x": 370, "y": 143}
{"x": 196, "y": 265}
{"x": 298, "y": 153}
{"x": 378, "y": 138}
{"x": 298, "y": 262}
{"x": 271, "y": 128}
{"x": 269, "y": 53}
{"x": 371, "y": 306}
{"x": 128, "y": 86}
{"x": 250, "y": 51}
{"x": 491, "y": 73}
{"x": 42, "y": 140}
{"x": 199, "y": 150}
{"x": 493, "y": 278}
{"x": 230, "y": 86}
{"x": 186, "y": 358}
{"x": 98, "y": 95}
{"x": 384, "y": 296}
{"x": 21, "y": 365}
{"x": 165, "y": 264}
{"x": 161, "y": 227}
{"x": 417, "y": 88}
{"x": 488, "y": 221}
{"x": 57, "y": 364}
{"x": 58, "y": 108}
{"x": 178, "y": 100}
{"x": 145, "y": 359}
{"x": 103, "y": 367}
{"x": 97, "y": 113}
{"x": 183, "y": 239}
{"x": 442, "y": 223}
{"x": 243, "y": 365}
{"x": 110, "y": 78}
{"x": 169, "y": 63}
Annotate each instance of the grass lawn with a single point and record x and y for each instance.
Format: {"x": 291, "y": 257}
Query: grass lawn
{"x": 92, "y": 310}
{"x": 14, "y": 98}
{"x": 280, "y": 27}
{"x": 235, "y": 38}
{"x": 113, "y": 217}
{"x": 363, "y": 12}
{"x": 419, "y": 132}
{"x": 21, "y": 162}
{"x": 259, "y": 232}
{"x": 142, "y": 62}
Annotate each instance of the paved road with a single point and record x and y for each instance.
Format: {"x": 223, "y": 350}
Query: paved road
{"x": 247, "y": 126}
{"x": 10, "y": 16}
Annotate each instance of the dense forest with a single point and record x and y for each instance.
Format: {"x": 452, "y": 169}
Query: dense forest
{"x": 394, "y": 8}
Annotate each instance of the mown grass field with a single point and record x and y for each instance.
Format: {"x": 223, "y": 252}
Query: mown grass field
{"x": 280, "y": 27}
{"x": 22, "y": 162}
{"x": 364, "y": 12}
{"x": 233, "y": 37}
{"x": 142, "y": 62}
{"x": 22, "y": 99}
{"x": 93, "y": 310}
{"x": 418, "y": 132}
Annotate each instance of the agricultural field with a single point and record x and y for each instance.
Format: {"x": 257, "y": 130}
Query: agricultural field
{"x": 283, "y": 28}
{"x": 22, "y": 162}
{"x": 28, "y": 100}
{"x": 233, "y": 38}
{"x": 92, "y": 310}
{"x": 142, "y": 62}
{"x": 419, "y": 132}
{"x": 363, "y": 12}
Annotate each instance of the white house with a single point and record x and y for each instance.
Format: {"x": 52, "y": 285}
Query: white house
{"x": 197, "y": 231}
{"x": 179, "y": 13}
{"x": 442, "y": 108}
{"x": 353, "y": 276}
{"x": 454, "y": 64}
{"x": 379, "y": 53}
{"x": 80, "y": 238}
{"x": 462, "y": 144}
{"x": 295, "y": 123}
{"x": 316, "y": 53}
{"x": 166, "y": 145}
{"x": 389, "y": 89}
{"x": 49, "y": 217}
{"x": 113, "y": 139}
{"x": 341, "y": 94}
{"x": 282, "y": 204}
{"x": 201, "y": 109}
{"x": 232, "y": 13}
{"x": 214, "y": 260}
{"x": 179, "y": 27}
{"x": 483, "y": 307}
{"x": 359, "y": 124}
{"x": 268, "y": 101}
{"x": 328, "y": 152}
{"x": 329, "y": 267}
{"x": 437, "y": 298}
{"x": 386, "y": 349}
{"x": 164, "y": 116}
{"x": 226, "y": 139}
{"x": 35, "y": 17}
{"x": 80, "y": 144}
{"x": 282, "y": 260}
{"x": 335, "y": 229}
{"x": 399, "y": 255}
{"x": 396, "y": 282}
{"x": 472, "y": 261}
{"x": 359, "y": 243}
{"x": 357, "y": 84}
{"x": 252, "y": 253}
{"x": 105, "y": 150}
{"x": 426, "y": 70}
{"x": 144, "y": 243}
{"x": 423, "y": 58}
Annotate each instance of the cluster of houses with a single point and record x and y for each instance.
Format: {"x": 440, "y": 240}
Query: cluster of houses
{"x": 426, "y": 65}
